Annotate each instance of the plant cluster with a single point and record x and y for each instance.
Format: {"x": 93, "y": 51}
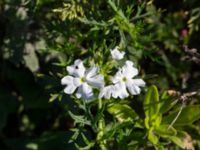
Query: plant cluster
{"x": 141, "y": 94}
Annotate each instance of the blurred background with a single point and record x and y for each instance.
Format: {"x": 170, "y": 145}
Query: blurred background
{"x": 38, "y": 38}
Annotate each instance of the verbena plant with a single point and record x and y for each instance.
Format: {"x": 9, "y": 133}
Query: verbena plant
{"x": 112, "y": 110}
{"x": 39, "y": 39}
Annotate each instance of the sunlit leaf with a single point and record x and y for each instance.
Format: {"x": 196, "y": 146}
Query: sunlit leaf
{"x": 188, "y": 115}
{"x": 152, "y": 137}
{"x": 177, "y": 141}
{"x": 151, "y": 102}
{"x": 151, "y": 108}
{"x": 122, "y": 112}
{"x": 163, "y": 131}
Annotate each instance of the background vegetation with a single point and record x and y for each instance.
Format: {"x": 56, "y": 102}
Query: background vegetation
{"x": 38, "y": 39}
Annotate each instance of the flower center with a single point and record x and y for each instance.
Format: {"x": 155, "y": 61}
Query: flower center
{"x": 124, "y": 79}
{"x": 82, "y": 80}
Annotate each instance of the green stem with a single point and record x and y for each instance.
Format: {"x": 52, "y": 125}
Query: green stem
{"x": 101, "y": 124}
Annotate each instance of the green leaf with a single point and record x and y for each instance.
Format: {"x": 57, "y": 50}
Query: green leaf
{"x": 53, "y": 97}
{"x": 79, "y": 119}
{"x": 112, "y": 4}
{"x": 177, "y": 141}
{"x": 188, "y": 115}
{"x": 193, "y": 130}
{"x": 122, "y": 112}
{"x": 166, "y": 102}
{"x": 154, "y": 122}
{"x": 151, "y": 102}
{"x": 163, "y": 131}
{"x": 152, "y": 137}
{"x": 147, "y": 122}
{"x": 151, "y": 107}
{"x": 159, "y": 147}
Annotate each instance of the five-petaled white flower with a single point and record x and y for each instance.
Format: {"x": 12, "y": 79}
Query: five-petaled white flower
{"x": 123, "y": 80}
{"x": 116, "y": 54}
{"x": 82, "y": 79}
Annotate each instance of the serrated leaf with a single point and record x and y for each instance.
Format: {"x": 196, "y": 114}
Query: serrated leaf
{"x": 187, "y": 116}
{"x": 79, "y": 119}
{"x": 122, "y": 112}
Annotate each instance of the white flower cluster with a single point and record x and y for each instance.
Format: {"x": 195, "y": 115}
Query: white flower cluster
{"x": 84, "y": 80}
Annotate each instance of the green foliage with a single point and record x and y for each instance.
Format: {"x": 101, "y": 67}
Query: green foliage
{"x": 151, "y": 107}
{"x": 70, "y": 11}
{"x": 122, "y": 112}
{"x": 152, "y": 118}
{"x": 38, "y": 39}
{"x": 163, "y": 131}
{"x": 188, "y": 115}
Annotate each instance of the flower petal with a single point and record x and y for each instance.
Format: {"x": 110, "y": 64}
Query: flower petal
{"x": 133, "y": 88}
{"x": 67, "y": 80}
{"x": 96, "y": 81}
{"x": 106, "y": 92}
{"x": 85, "y": 92}
{"x": 128, "y": 70}
{"x": 115, "y": 90}
{"x": 70, "y": 87}
{"x": 92, "y": 71}
{"x": 120, "y": 90}
{"x": 77, "y": 69}
{"x": 77, "y": 81}
{"x": 139, "y": 82}
{"x": 116, "y": 54}
{"x": 117, "y": 77}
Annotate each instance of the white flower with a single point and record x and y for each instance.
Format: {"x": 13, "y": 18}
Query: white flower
{"x": 82, "y": 79}
{"x": 106, "y": 92}
{"x": 115, "y": 91}
{"x": 123, "y": 81}
{"x": 116, "y": 54}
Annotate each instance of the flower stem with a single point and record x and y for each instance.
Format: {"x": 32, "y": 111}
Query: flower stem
{"x": 101, "y": 124}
